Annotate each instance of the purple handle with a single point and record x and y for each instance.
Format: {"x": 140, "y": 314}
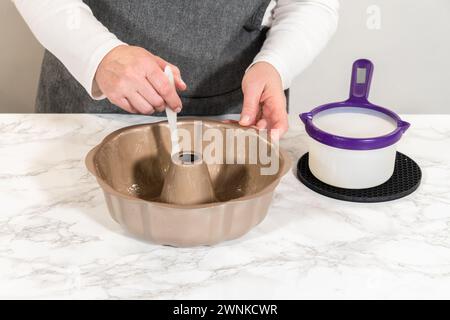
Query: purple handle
{"x": 361, "y": 78}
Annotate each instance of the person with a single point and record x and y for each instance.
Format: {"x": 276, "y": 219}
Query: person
{"x": 228, "y": 56}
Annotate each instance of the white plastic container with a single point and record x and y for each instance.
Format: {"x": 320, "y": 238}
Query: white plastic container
{"x": 352, "y": 144}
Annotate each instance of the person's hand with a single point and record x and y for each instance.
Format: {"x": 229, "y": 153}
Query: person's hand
{"x": 133, "y": 79}
{"x": 264, "y": 100}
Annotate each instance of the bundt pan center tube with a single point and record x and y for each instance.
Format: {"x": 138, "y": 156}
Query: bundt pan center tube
{"x": 187, "y": 181}
{"x": 180, "y": 199}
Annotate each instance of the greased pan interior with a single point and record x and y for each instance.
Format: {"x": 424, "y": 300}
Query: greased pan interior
{"x": 131, "y": 165}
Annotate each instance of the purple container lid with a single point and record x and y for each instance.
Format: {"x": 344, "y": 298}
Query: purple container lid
{"x": 359, "y": 92}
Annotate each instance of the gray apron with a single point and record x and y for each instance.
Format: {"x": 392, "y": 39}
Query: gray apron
{"x": 211, "y": 41}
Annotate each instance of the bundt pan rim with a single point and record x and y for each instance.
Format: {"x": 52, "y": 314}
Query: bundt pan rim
{"x": 285, "y": 166}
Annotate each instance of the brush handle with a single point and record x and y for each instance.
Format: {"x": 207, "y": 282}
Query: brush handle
{"x": 172, "y": 116}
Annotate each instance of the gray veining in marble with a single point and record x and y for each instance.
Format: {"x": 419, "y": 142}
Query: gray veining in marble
{"x": 58, "y": 241}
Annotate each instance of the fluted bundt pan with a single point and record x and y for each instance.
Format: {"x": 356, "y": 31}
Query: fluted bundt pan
{"x": 184, "y": 199}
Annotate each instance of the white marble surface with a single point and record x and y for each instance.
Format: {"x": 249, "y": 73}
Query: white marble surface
{"x": 58, "y": 241}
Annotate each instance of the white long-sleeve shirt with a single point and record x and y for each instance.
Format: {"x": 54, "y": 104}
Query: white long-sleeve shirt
{"x": 299, "y": 29}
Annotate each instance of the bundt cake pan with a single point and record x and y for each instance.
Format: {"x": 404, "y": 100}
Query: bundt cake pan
{"x": 131, "y": 165}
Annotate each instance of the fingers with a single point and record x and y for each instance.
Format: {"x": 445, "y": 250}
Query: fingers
{"x": 275, "y": 115}
{"x": 123, "y": 103}
{"x": 278, "y": 129}
{"x": 129, "y": 106}
{"x": 139, "y": 103}
{"x": 251, "y": 104}
{"x": 272, "y": 116}
{"x": 152, "y": 97}
{"x": 165, "y": 89}
{"x": 132, "y": 78}
{"x": 261, "y": 124}
{"x": 179, "y": 83}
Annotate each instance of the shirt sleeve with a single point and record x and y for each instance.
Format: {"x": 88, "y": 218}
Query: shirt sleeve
{"x": 299, "y": 30}
{"x": 69, "y": 30}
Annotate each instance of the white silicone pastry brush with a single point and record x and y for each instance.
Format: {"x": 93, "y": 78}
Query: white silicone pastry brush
{"x": 172, "y": 116}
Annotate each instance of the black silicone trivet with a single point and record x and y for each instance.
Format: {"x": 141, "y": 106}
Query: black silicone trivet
{"x": 404, "y": 181}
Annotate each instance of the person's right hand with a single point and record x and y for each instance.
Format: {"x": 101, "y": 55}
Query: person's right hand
{"x": 133, "y": 79}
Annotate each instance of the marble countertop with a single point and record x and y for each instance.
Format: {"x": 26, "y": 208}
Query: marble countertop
{"x": 58, "y": 241}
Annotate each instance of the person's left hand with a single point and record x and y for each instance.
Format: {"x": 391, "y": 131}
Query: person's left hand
{"x": 264, "y": 100}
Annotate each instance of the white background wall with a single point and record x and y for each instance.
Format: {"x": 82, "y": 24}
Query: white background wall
{"x": 20, "y": 59}
{"x": 410, "y": 50}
